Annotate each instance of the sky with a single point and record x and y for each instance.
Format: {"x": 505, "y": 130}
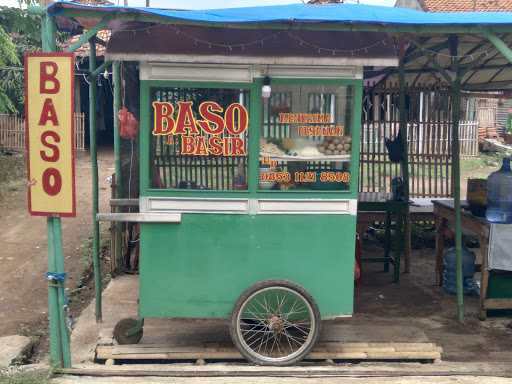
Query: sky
{"x": 202, "y": 4}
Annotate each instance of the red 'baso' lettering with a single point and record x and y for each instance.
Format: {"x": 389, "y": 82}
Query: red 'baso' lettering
{"x": 185, "y": 121}
{"x": 206, "y": 110}
{"x": 48, "y": 113}
{"x": 47, "y": 75}
{"x": 55, "y": 154}
{"x": 52, "y": 181}
{"x": 236, "y": 119}
{"x": 164, "y": 123}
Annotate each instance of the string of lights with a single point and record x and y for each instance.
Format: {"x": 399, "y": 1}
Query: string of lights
{"x": 334, "y": 51}
{"x": 302, "y": 42}
{"x": 230, "y": 46}
{"x": 261, "y": 41}
{"x": 471, "y": 56}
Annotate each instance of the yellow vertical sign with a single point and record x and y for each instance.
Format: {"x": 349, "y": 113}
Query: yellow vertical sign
{"x": 49, "y": 107}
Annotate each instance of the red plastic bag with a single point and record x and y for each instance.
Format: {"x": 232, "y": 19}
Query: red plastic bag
{"x": 357, "y": 266}
{"x": 128, "y": 124}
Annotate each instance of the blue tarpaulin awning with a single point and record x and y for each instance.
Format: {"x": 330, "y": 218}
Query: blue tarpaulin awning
{"x": 425, "y": 33}
{"x": 306, "y": 14}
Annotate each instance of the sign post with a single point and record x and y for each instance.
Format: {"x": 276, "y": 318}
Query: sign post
{"x": 49, "y": 79}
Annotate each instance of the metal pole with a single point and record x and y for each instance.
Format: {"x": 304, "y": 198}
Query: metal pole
{"x": 94, "y": 170}
{"x": 59, "y": 338}
{"x": 455, "y": 94}
{"x": 405, "y": 155}
{"x": 116, "y": 79}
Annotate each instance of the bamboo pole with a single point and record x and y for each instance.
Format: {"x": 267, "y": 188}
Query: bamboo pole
{"x": 405, "y": 157}
{"x": 56, "y": 358}
{"x": 455, "y": 93}
{"x": 59, "y": 265}
{"x": 94, "y": 171}
{"x": 59, "y": 339}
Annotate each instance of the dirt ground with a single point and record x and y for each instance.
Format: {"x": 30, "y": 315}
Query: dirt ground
{"x": 417, "y": 300}
{"x": 23, "y": 253}
{"x": 289, "y": 380}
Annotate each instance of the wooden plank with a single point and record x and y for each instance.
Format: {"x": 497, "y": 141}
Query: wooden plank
{"x": 304, "y": 371}
{"x": 396, "y": 346}
{"x": 347, "y": 351}
{"x": 498, "y": 304}
{"x": 140, "y": 217}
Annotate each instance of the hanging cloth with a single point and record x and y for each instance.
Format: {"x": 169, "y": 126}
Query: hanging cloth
{"x": 500, "y": 244}
{"x": 395, "y": 148}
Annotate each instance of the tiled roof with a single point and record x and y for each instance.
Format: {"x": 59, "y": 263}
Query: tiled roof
{"x": 466, "y": 5}
{"x": 104, "y": 35}
{"x": 83, "y": 51}
{"x": 324, "y": 1}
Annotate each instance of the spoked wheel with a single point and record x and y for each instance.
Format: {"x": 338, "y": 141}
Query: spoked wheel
{"x": 128, "y": 331}
{"x": 275, "y": 322}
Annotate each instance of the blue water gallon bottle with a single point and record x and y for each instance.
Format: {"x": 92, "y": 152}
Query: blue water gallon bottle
{"x": 450, "y": 271}
{"x": 499, "y": 195}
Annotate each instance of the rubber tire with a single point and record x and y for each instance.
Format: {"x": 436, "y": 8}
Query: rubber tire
{"x": 122, "y": 327}
{"x": 266, "y": 284}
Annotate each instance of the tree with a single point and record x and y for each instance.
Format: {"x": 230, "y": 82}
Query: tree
{"x": 8, "y": 57}
{"x": 20, "y": 32}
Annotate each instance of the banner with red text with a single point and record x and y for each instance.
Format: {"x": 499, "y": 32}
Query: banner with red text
{"x": 49, "y": 93}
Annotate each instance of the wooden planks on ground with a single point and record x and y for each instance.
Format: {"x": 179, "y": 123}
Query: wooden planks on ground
{"x": 322, "y": 351}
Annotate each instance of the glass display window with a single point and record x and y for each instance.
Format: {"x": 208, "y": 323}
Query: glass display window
{"x": 305, "y": 138}
{"x": 199, "y": 138}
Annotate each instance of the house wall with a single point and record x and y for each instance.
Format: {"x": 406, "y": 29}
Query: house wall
{"x": 413, "y": 4}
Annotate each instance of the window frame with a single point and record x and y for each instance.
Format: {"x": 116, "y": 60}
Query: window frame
{"x": 255, "y": 120}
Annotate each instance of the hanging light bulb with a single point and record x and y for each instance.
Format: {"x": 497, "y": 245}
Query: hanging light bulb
{"x": 266, "y": 90}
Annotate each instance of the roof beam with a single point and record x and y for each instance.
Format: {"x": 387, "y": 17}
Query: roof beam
{"x": 84, "y": 38}
{"x": 100, "y": 69}
{"x": 437, "y": 48}
{"x": 480, "y": 67}
{"x": 499, "y": 44}
{"x": 483, "y": 44}
{"x": 497, "y": 85}
{"x": 497, "y": 73}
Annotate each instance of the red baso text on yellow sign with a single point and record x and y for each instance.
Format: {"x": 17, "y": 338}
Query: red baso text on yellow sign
{"x": 213, "y": 131}
{"x": 180, "y": 120}
{"x": 49, "y": 80}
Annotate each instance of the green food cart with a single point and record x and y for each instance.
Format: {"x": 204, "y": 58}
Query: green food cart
{"x": 256, "y": 185}
{"x": 249, "y": 164}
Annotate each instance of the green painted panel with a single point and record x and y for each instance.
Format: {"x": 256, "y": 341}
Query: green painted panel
{"x": 199, "y": 267}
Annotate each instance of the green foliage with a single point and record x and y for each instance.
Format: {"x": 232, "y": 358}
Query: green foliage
{"x": 31, "y": 377}
{"x": 20, "y": 32}
{"x": 7, "y": 50}
{"x": 12, "y": 172}
{"x": 8, "y": 57}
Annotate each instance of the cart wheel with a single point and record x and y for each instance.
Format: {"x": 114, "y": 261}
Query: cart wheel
{"x": 128, "y": 331}
{"x": 275, "y": 322}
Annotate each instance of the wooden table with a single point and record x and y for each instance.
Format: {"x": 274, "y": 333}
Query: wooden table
{"x": 380, "y": 207}
{"x": 444, "y": 214}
